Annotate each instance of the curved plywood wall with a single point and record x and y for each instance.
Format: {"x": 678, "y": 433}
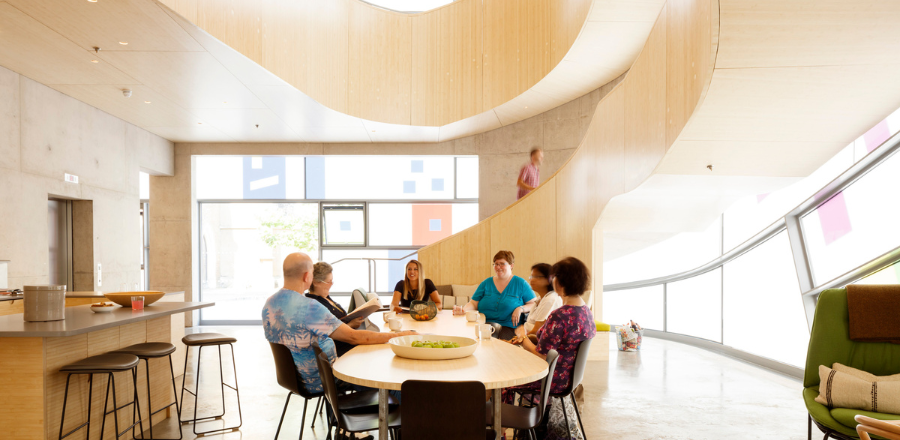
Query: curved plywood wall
{"x": 427, "y": 69}
{"x": 631, "y": 130}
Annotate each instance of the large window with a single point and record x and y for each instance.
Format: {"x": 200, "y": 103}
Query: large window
{"x": 366, "y": 214}
{"x": 778, "y": 250}
{"x": 762, "y": 306}
{"x": 856, "y": 225}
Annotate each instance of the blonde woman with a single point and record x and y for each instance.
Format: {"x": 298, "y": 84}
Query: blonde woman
{"x": 408, "y": 289}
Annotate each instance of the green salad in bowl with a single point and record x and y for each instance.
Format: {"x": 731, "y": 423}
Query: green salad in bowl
{"x": 434, "y": 344}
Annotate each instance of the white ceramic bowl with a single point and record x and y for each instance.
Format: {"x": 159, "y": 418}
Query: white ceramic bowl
{"x": 401, "y": 347}
{"x": 97, "y": 309}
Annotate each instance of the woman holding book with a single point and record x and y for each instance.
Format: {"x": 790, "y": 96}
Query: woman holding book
{"x": 408, "y": 289}
{"x": 323, "y": 279}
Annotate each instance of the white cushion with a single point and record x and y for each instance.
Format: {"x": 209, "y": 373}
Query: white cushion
{"x": 464, "y": 290}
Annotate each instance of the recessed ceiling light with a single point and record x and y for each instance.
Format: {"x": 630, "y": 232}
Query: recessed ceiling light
{"x": 123, "y": 43}
{"x": 92, "y": 1}
{"x": 94, "y": 61}
{"x": 226, "y": 102}
{"x": 146, "y": 102}
{"x": 199, "y": 123}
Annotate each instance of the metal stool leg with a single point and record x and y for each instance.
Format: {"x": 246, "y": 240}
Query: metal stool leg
{"x": 196, "y": 393}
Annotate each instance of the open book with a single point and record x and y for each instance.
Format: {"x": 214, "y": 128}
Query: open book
{"x": 364, "y": 310}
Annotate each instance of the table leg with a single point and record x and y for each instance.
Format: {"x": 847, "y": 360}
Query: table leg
{"x": 382, "y": 414}
{"x": 497, "y": 403}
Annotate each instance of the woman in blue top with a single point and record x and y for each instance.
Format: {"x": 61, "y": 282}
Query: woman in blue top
{"x": 504, "y": 298}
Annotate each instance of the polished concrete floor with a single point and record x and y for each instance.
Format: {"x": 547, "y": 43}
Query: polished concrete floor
{"x": 667, "y": 391}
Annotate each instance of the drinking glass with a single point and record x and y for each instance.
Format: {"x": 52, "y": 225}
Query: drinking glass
{"x": 137, "y": 303}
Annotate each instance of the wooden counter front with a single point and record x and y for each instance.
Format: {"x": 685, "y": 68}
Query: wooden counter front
{"x": 34, "y": 387}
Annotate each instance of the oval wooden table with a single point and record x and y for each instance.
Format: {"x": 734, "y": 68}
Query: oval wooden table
{"x": 495, "y": 363}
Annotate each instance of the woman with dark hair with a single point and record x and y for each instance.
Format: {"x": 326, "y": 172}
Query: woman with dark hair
{"x": 564, "y": 329}
{"x": 504, "y": 297}
{"x": 412, "y": 287}
{"x": 548, "y": 300}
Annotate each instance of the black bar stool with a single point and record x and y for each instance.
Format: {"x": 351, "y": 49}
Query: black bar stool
{"x": 103, "y": 364}
{"x": 153, "y": 350}
{"x": 207, "y": 340}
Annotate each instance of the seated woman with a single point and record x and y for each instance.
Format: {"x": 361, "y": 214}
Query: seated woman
{"x": 323, "y": 279}
{"x": 548, "y": 300}
{"x": 564, "y": 329}
{"x": 408, "y": 289}
{"x": 504, "y": 297}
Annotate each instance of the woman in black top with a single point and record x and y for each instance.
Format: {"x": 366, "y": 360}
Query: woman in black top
{"x": 323, "y": 279}
{"x": 407, "y": 289}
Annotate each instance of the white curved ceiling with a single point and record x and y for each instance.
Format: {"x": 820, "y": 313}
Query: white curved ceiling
{"x": 189, "y": 87}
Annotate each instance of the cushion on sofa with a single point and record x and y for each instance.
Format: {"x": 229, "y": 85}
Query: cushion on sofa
{"x": 445, "y": 290}
{"x": 447, "y": 302}
{"x": 843, "y": 390}
{"x": 464, "y": 290}
{"x": 846, "y": 416}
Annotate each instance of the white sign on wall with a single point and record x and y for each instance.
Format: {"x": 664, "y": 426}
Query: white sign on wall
{"x": 71, "y": 178}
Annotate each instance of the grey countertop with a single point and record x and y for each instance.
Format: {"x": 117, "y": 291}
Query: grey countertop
{"x": 81, "y": 319}
{"x": 98, "y": 295}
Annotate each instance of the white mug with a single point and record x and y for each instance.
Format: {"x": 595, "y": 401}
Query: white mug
{"x": 388, "y": 315}
{"x": 484, "y": 331}
{"x": 472, "y": 315}
{"x": 395, "y": 324}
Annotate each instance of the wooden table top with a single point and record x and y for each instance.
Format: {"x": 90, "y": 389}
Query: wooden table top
{"x": 495, "y": 363}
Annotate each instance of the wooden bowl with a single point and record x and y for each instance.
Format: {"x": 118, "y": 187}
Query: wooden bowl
{"x": 401, "y": 347}
{"x": 124, "y": 298}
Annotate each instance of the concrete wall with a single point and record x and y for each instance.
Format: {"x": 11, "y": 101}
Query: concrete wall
{"x": 45, "y": 134}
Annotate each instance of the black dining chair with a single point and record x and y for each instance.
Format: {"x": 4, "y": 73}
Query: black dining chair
{"x": 523, "y": 418}
{"x": 443, "y": 411}
{"x": 286, "y": 372}
{"x": 355, "y": 412}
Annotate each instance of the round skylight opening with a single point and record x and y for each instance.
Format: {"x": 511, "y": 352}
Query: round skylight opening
{"x": 409, "y": 6}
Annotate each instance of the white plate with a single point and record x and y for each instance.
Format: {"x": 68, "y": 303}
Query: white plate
{"x": 103, "y": 309}
{"x": 401, "y": 347}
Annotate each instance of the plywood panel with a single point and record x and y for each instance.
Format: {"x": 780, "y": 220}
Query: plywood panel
{"x": 645, "y": 108}
{"x": 12, "y": 307}
{"x": 462, "y": 58}
{"x": 567, "y": 17}
{"x": 57, "y": 353}
{"x": 234, "y": 22}
{"x": 501, "y": 37}
{"x": 141, "y": 24}
{"x": 25, "y": 357}
{"x": 471, "y": 253}
{"x": 533, "y": 43}
{"x": 426, "y": 69}
{"x": 689, "y": 60}
{"x": 605, "y": 146}
{"x": 527, "y": 229}
{"x": 432, "y": 263}
{"x": 380, "y": 64}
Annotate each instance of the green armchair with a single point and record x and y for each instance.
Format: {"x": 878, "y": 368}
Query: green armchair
{"x": 829, "y": 342}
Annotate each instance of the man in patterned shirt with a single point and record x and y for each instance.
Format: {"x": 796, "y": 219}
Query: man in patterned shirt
{"x": 295, "y": 321}
{"x": 530, "y": 174}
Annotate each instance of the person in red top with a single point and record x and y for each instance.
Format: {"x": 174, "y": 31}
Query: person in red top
{"x": 530, "y": 174}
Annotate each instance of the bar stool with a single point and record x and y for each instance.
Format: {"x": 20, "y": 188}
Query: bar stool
{"x": 154, "y": 350}
{"x": 207, "y": 340}
{"x": 102, "y": 364}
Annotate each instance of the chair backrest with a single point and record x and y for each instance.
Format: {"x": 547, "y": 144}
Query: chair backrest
{"x": 443, "y": 410}
{"x": 547, "y": 381}
{"x": 829, "y": 342}
{"x": 357, "y": 298}
{"x": 286, "y": 370}
{"x": 326, "y": 374}
{"x": 581, "y": 357}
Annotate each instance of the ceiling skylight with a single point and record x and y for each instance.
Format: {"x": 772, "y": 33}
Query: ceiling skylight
{"x": 409, "y": 5}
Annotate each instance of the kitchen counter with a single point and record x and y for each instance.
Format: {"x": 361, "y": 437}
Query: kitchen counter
{"x": 81, "y": 319}
{"x": 95, "y": 295}
{"x": 36, "y": 351}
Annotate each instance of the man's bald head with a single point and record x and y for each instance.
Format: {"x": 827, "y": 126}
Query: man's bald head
{"x": 296, "y": 267}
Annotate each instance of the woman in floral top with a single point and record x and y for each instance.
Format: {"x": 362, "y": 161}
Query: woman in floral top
{"x": 564, "y": 329}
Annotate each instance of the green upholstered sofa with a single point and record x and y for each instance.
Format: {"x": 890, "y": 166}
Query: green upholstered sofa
{"x": 829, "y": 342}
